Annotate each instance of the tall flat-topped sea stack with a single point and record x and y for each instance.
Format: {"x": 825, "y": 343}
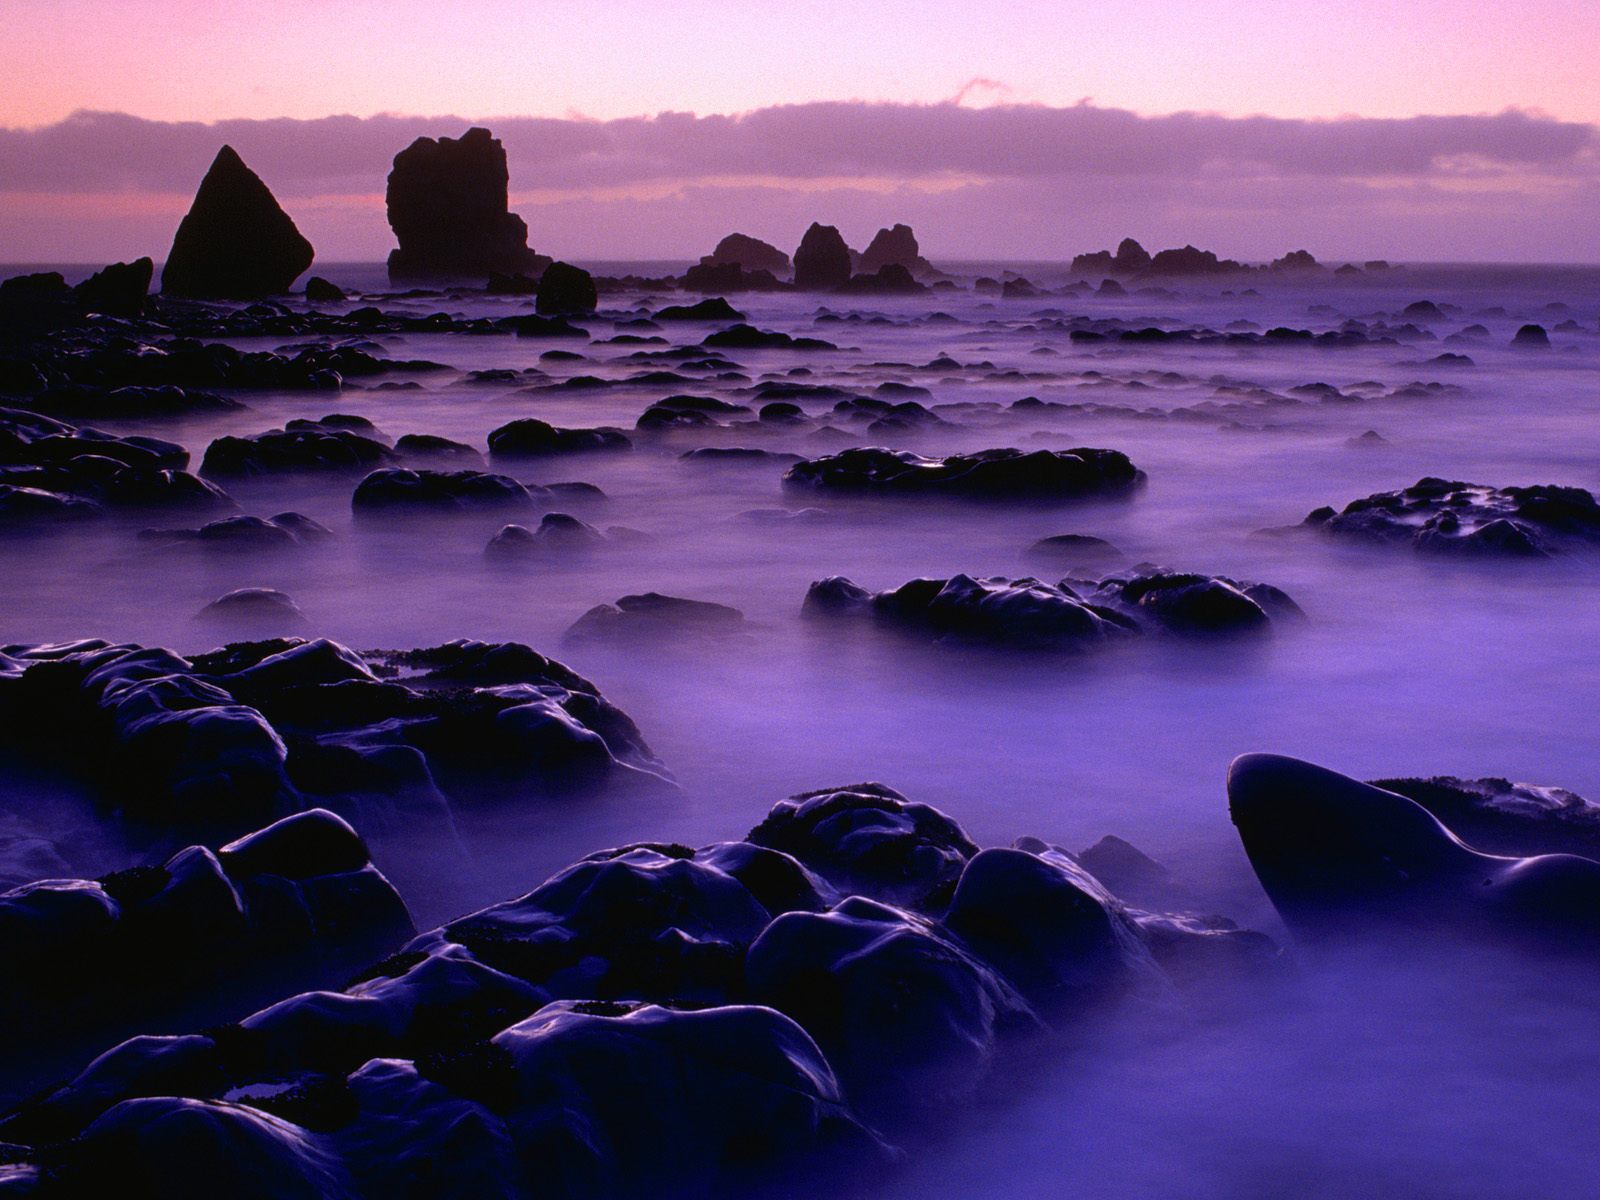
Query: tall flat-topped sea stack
{"x": 448, "y": 203}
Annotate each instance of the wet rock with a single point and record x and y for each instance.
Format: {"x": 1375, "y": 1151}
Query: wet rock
{"x": 714, "y": 308}
{"x": 1345, "y": 860}
{"x": 1075, "y": 550}
{"x": 1035, "y": 476}
{"x": 235, "y": 243}
{"x": 652, "y": 615}
{"x": 1531, "y": 337}
{"x": 530, "y": 437}
{"x": 565, "y": 290}
{"x": 245, "y": 534}
{"x": 1073, "y": 614}
{"x": 448, "y": 204}
{"x": 739, "y": 456}
{"x": 1449, "y": 517}
{"x": 563, "y": 1029}
{"x": 428, "y": 447}
{"x": 1498, "y": 816}
{"x": 324, "y": 445}
{"x": 395, "y": 490}
{"x": 558, "y": 533}
{"x": 254, "y": 612}
{"x": 823, "y": 260}
{"x": 747, "y": 337}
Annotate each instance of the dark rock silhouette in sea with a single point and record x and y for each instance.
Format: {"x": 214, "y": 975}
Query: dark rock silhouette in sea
{"x": 823, "y": 260}
{"x": 894, "y": 247}
{"x": 748, "y": 254}
{"x": 1007, "y": 474}
{"x": 858, "y": 961}
{"x": 119, "y": 290}
{"x": 1072, "y": 614}
{"x": 1531, "y": 337}
{"x": 320, "y": 291}
{"x": 714, "y": 308}
{"x": 236, "y": 243}
{"x": 254, "y": 612}
{"x": 448, "y": 204}
{"x": 248, "y": 535}
{"x": 302, "y": 445}
{"x": 653, "y": 616}
{"x": 1498, "y": 816}
{"x": 891, "y": 279}
{"x": 397, "y": 491}
{"x": 1449, "y": 517}
{"x": 530, "y": 437}
{"x": 565, "y": 290}
{"x": 1345, "y": 860}
{"x": 728, "y": 278}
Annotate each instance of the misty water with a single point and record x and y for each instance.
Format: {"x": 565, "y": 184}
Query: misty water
{"x": 1395, "y": 1074}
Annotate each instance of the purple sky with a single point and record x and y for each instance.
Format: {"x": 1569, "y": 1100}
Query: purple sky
{"x": 1024, "y": 129}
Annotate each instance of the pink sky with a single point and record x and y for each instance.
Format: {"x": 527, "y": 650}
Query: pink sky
{"x": 1036, "y": 175}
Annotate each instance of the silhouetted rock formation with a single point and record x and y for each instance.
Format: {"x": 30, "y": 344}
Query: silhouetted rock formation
{"x": 894, "y": 247}
{"x": 1300, "y": 261}
{"x": 723, "y": 278}
{"x": 823, "y": 260}
{"x": 891, "y": 279}
{"x": 235, "y": 243}
{"x": 448, "y": 204}
{"x": 320, "y": 291}
{"x": 748, "y": 254}
{"x": 120, "y": 290}
{"x": 564, "y": 289}
{"x": 1131, "y": 258}
{"x": 1007, "y": 474}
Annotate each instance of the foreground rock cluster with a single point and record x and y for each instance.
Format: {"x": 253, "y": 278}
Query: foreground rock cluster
{"x": 225, "y": 742}
{"x": 654, "y": 1020}
{"x": 1448, "y": 517}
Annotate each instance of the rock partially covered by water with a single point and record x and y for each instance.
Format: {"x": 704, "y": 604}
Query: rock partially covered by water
{"x": 397, "y": 491}
{"x": 224, "y": 741}
{"x": 51, "y": 471}
{"x": 823, "y": 260}
{"x": 1072, "y": 614}
{"x": 530, "y": 437}
{"x": 323, "y": 445}
{"x": 1449, "y": 517}
{"x": 565, "y": 290}
{"x": 1345, "y": 860}
{"x": 1007, "y": 474}
{"x": 654, "y": 616}
{"x": 235, "y": 243}
{"x": 298, "y": 903}
{"x": 1498, "y": 816}
{"x": 748, "y": 254}
{"x": 448, "y": 204}
{"x": 654, "y": 1020}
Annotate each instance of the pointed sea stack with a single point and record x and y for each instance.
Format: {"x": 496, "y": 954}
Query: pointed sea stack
{"x": 235, "y": 243}
{"x": 448, "y": 201}
{"x": 823, "y": 260}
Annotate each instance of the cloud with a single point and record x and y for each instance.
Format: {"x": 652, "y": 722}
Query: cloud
{"x": 1086, "y": 167}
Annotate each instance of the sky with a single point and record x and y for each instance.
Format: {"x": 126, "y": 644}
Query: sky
{"x": 1013, "y": 128}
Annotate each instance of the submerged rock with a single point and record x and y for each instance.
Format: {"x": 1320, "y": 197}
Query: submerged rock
{"x": 1075, "y": 550}
{"x": 1037, "y": 475}
{"x": 448, "y": 204}
{"x": 1072, "y": 614}
{"x": 255, "y": 612}
{"x": 235, "y": 243}
{"x": 652, "y": 615}
{"x": 857, "y": 960}
{"x": 396, "y": 490}
{"x": 1449, "y": 517}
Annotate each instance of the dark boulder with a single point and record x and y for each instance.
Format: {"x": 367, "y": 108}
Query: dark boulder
{"x": 320, "y": 291}
{"x": 394, "y": 490}
{"x": 823, "y": 260}
{"x": 1531, "y": 337}
{"x": 1002, "y": 474}
{"x": 448, "y": 204}
{"x": 714, "y": 308}
{"x": 533, "y": 438}
{"x": 236, "y": 243}
{"x": 120, "y": 290}
{"x": 565, "y": 289}
{"x": 748, "y": 254}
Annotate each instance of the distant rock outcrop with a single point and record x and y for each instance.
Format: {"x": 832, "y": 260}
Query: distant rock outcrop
{"x": 894, "y": 247}
{"x": 748, "y": 254}
{"x": 448, "y": 203}
{"x": 564, "y": 288}
{"x": 724, "y": 278}
{"x": 236, "y": 243}
{"x": 823, "y": 259}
